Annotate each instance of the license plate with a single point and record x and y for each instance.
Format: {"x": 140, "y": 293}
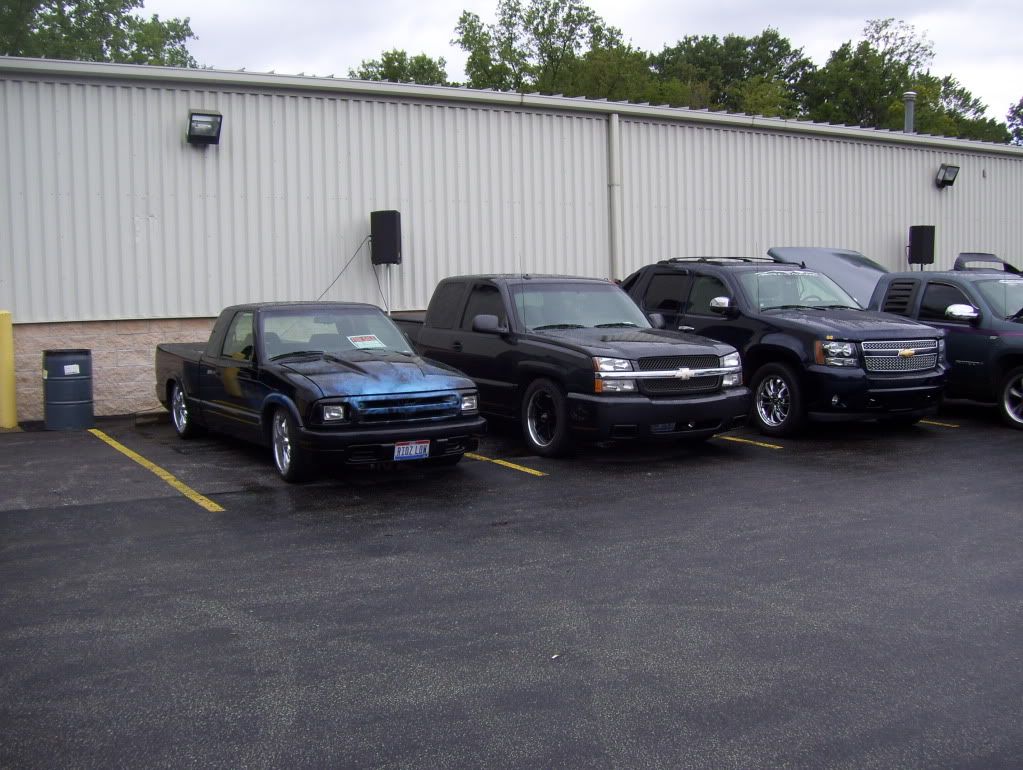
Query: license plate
{"x": 411, "y": 450}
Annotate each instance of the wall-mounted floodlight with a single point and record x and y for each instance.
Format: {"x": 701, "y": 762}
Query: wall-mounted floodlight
{"x": 946, "y": 175}
{"x": 204, "y": 126}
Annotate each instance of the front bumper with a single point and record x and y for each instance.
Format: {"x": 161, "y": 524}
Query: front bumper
{"x": 604, "y": 416}
{"x": 834, "y": 395}
{"x": 354, "y": 445}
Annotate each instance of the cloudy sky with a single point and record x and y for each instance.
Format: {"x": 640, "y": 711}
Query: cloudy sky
{"x": 979, "y": 42}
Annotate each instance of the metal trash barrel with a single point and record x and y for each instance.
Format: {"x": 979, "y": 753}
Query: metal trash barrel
{"x": 67, "y": 389}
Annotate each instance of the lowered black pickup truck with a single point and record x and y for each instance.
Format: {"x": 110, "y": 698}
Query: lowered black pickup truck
{"x": 574, "y": 357}
{"x": 334, "y": 379}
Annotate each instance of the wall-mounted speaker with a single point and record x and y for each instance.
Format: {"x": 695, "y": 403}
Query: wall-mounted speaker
{"x": 921, "y": 245}
{"x": 385, "y": 237}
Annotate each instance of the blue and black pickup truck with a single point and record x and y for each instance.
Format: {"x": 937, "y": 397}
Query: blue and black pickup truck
{"x": 575, "y": 358}
{"x": 316, "y": 381}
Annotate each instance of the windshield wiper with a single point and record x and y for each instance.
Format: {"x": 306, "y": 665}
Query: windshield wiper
{"x": 838, "y": 307}
{"x": 297, "y": 353}
{"x": 558, "y": 326}
{"x": 792, "y": 307}
{"x": 617, "y": 325}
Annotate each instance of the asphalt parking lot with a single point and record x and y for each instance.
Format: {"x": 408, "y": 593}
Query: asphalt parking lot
{"x": 852, "y": 598}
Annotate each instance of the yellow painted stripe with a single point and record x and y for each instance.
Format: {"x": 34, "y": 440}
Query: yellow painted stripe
{"x": 738, "y": 440}
{"x": 184, "y": 489}
{"x": 939, "y": 424}
{"x": 506, "y": 464}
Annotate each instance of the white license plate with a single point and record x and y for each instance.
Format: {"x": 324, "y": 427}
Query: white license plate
{"x": 411, "y": 450}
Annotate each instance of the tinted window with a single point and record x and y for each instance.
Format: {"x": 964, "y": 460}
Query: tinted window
{"x": 1005, "y": 295}
{"x": 575, "y": 304}
{"x": 937, "y": 298}
{"x": 705, "y": 288}
{"x": 666, "y": 293}
{"x": 446, "y": 305}
{"x": 484, "y": 299}
{"x": 238, "y": 342}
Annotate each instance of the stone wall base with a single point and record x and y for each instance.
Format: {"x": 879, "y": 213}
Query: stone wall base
{"x": 123, "y": 353}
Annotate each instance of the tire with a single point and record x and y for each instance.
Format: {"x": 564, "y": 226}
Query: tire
{"x": 291, "y": 460}
{"x": 1010, "y": 398}
{"x": 777, "y": 408}
{"x": 181, "y": 418}
{"x": 545, "y": 419}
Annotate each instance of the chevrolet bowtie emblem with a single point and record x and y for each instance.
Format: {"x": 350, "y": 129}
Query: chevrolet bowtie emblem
{"x": 684, "y": 373}
{"x": 907, "y": 353}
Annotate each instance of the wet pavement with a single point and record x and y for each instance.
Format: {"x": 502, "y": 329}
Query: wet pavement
{"x": 852, "y": 598}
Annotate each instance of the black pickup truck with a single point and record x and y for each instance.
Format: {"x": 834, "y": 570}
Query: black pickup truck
{"x": 318, "y": 380}
{"x": 574, "y": 357}
{"x": 809, "y": 350}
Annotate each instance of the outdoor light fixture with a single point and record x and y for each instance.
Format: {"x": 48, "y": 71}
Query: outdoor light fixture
{"x": 204, "y": 127}
{"x": 946, "y": 175}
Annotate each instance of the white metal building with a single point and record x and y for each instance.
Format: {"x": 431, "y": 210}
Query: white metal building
{"x": 114, "y": 228}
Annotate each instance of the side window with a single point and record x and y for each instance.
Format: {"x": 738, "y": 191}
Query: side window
{"x": 666, "y": 293}
{"x": 705, "y": 288}
{"x": 238, "y": 342}
{"x": 484, "y": 299}
{"x": 937, "y": 297}
{"x": 444, "y": 307}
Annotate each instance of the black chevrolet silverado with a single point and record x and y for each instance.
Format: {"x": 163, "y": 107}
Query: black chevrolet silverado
{"x": 317, "y": 381}
{"x": 574, "y": 357}
{"x": 809, "y": 350}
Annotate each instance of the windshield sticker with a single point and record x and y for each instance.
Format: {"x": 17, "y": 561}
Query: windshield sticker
{"x": 788, "y": 272}
{"x": 366, "y": 341}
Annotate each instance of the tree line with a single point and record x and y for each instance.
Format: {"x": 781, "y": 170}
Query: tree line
{"x": 565, "y": 47}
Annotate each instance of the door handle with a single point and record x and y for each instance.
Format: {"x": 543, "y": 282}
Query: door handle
{"x": 682, "y": 328}
{"x": 456, "y": 346}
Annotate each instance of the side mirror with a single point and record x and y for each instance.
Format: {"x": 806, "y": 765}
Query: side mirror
{"x": 487, "y": 324}
{"x": 722, "y": 305}
{"x": 657, "y": 320}
{"x": 962, "y": 313}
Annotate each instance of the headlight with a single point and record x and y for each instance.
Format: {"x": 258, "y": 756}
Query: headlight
{"x": 333, "y": 412}
{"x": 831, "y": 353}
{"x": 732, "y": 359}
{"x": 616, "y": 386}
{"x": 470, "y": 402}
{"x": 941, "y": 349}
{"x": 612, "y": 365}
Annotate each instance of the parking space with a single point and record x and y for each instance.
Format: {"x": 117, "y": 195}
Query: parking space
{"x": 849, "y": 598}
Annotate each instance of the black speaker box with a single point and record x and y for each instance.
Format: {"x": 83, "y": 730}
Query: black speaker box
{"x": 921, "y": 245}
{"x": 385, "y": 237}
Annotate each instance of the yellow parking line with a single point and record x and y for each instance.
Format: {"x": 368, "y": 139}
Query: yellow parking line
{"x": 184, "y": 489}
{"x": 738, "y": 440}
{"x": 506, "y": 464}
{"x": 939, "y": 424}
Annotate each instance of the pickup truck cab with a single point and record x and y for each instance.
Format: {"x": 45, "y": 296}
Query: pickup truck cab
{"x": 315, "y": 380}
{"x": 574, "y": 357}
{"x": 980, "y": 309}
{"x": 809, "y": 349}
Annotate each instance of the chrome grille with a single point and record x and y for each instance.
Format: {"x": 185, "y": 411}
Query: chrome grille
{"x": 670, "y": 386}
{"x": 668, "y": 363}
{"x": 406, "y": 408}
{"x": 884, "y": 355}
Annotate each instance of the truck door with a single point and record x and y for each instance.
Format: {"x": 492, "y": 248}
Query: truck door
{"x": 697, "y": 312}
{"x": 230, "y": 383}
{"x": 968, "y": 348}
{"x": 489, "y": 358}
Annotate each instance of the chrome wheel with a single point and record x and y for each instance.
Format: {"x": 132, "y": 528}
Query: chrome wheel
{"x": 542, "y": 418}
{"x": 774, "y": 401}
{"x": 179, "y": 410}
{"x": 1012, "y": 398}
{"x": 282, "y": 441}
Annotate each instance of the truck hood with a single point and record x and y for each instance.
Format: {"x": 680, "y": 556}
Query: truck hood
{"x": 633, "y": 344}
{"x": 377, "y": 373}
{"x": 852, "y": 325}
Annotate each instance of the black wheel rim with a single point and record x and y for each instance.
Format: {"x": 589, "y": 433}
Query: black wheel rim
{"x": 542, "y": 418}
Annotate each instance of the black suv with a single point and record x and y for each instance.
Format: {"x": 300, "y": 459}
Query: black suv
{"x": 808, "y": 349}
{"x": 981, "y": 311}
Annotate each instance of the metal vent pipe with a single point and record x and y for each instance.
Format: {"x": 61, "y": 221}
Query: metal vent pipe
{"x": 910, "y": 100}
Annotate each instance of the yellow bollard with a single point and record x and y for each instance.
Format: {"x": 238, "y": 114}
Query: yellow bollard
{"x": 8, "y": 405}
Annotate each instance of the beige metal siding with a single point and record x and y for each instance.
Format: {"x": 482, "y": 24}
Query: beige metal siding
{"x": 693, "y": 190}
{"x": 112, "y": 215}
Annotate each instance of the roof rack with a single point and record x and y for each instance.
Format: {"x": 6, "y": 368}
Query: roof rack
{"x": 716, "y": 260}
{"x": 965, "y": 257}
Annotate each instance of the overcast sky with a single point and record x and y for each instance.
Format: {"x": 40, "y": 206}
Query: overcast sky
{"x": 979, "y": 42}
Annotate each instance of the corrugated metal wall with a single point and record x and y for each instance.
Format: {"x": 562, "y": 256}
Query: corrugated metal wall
{"x": 694, "y": 190}
{"x": 112, "y": 215}
{"x": 109, "y": 214}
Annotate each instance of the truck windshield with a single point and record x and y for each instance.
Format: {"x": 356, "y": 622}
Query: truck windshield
{"x": 781, "y": 289}
{"x": 567, "y": 305}
{"x": 1005, "y": 295}
{"x": 333, "y": 330}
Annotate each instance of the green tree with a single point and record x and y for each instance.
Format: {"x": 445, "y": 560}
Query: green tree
{"x": 1015, "y": 119}
{"x": 93, "y": 30}
{"x": 399, "y": 67}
